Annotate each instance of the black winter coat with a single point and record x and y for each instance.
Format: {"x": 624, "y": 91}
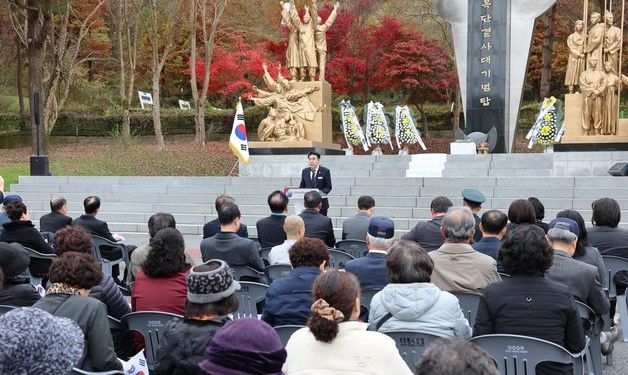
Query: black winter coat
{"x": 182, "y": 346}
{"x": 24, "y": 233}
{"x": 532, "y": 306}
{"x": 18, "y": 292}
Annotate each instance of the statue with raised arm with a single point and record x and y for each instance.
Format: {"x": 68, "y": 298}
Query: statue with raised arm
{"x": 612, "y": 42}
{"x": 293, "y": 62}
{"x": 320, "y": 37}
{"x": 307, "y": 46}
{"x": 575, "y": 60}
{"x": 595, "y": 41}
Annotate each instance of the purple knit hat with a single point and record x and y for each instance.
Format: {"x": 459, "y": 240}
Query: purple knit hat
{"x": 243, "y": 347}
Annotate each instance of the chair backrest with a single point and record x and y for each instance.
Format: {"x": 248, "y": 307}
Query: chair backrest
{"x": 245, "y": 271}
{"x": 515, "y": 354}
{"x": 5, "y": 309}
{"x": 411, "y": 344}
{"x": 150, "y": 324}
{"x": 355, "y": 248}
{"x": 284, "y": 332}
{"x": 337, "y": 258}
{"x": 613, "y": 265}
{"x": 100, "y": 242}
{"x": 36, "y": 280}
{"x": 469, "y": 305}
{"x": 76, "y": 370}
{"x": 503, "y": 275}
{"x": 115, "y": 324}
{"x": 250, "y": 295}
{"x": 277, "y": 271}
{"x": 366, "y": 295}
{"x": 263, "y": 252}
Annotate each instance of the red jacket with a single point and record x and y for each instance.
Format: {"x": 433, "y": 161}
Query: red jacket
{"x": 165, "y": 294}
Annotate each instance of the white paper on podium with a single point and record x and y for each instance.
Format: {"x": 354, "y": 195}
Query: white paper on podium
{"x": 296, "y": 198}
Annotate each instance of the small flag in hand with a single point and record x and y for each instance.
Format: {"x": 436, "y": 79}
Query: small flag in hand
{"x": 238, "y": 142}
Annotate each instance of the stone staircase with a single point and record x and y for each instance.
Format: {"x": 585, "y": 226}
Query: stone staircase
{"x": 128, "y": 202}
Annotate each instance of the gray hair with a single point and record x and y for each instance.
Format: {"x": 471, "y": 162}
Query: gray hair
{"x": 458, "y": 224}
{"x": 380, "y": 242}
{"x": 561, "y": 235}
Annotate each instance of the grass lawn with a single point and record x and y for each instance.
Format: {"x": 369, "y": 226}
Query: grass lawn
{"x": 102, "y": 157}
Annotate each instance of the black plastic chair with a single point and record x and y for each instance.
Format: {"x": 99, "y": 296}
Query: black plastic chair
{"x": 150, "y": 324}
{"x": 468, "y": 304}
{"x": 102, "y": 244}
{"x": 593, "y": 327}
{"x": 355, "y": 248}
{"x": 284, "y": 332}
{"x": 250, "y": 295}
{"x": 247, "y": 273}
{"x": 35, "y": 280}
{"x": 277, "y": 271}
{"x": 79, "y": 371}
{"x": 337, "y": 258}
{"x": 263, "y": 252}
{"x": 411, "y": 344}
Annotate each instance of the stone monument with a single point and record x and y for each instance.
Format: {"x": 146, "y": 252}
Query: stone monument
{"x": 592, "y": 113}
{"x": 492, "y": 42}
{"x": 299, "y": 118}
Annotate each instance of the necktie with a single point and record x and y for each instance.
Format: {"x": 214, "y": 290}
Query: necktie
{"x": 313, "y": 178}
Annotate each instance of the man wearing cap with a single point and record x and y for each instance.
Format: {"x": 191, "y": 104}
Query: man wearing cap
{"x": 17, "y": 290}
{"x": 316, "y": 177}
{"x": 371, "y": 269}
{"x": 427, "y": 233}
{"x": 473, "y": 199}
{"x": 4, "y": 218}
{"x": 457, "y": 267}
{"x": 581, "y": 278}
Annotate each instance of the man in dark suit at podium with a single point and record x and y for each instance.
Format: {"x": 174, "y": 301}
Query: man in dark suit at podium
{"x": 316, "y": 177}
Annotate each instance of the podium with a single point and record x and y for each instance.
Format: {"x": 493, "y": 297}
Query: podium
{"x": 296, "y": 195}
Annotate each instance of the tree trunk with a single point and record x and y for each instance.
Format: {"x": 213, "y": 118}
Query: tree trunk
{"x": 199, "y": 119}
{"x": 546, "y": 70}
{"x": 161, "y": 145}
{"x": 426, "y": 130}
{"x": 18, "y": 76}
{"x": 456, "y": 111}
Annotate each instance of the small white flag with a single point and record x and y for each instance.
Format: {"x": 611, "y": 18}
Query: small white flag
{"x": 238, "y": 142}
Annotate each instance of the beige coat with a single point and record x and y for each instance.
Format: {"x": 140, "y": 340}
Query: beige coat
{"x": 354, "y": 351}
{"x": 459, "y": 268}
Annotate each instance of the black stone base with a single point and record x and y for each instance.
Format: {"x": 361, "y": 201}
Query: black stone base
{"x": 294, "y": 151}
{"x": 566, "y": 147}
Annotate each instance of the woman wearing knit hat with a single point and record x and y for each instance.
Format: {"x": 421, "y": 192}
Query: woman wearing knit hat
{"x": 30, "y": 344}
{"x": 334, "y": 341}
{"x": 210, "y": 298}
{"x": 247, "y": 346}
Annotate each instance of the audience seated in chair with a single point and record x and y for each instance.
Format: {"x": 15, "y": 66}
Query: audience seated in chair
{"x": 5, "y": 199}
{"x": 211, "y": 228}
{"x": 493, "y": 227}
{"x": 17, "y": 290}
{"x": 78, "y": 239}
{"x": 161, "y": 285}
{"x": 427, "y": 233}
{"x": 72, "y": 276}
{"x": 371, "y": 269}
{"x": 334, "y": 339}
{"x": 227, "y": 245}
{"x": 527, "y": 303}
{"x": 270, "y": 229}
{"x": 539, "y": 213}
{"x": 156, "y": 223}
{"x": 100, "y": 228}
{"x": 355, "y": 227}
{"x": 57, "y": 218}
{"x": 520, "y": 212}
{"x": 244, "y": 346}
{"x": 410, "y": 302}
{"x": 605, "y": 233}
{"x": 33, "y": 341}
{"x": 457, "y": 267}
{"x": 210, "y": 299}
{"x": 21, "y": 230}
{"x": 295, "y": 230}
{"x": 316, "y": 224}
{"x": 455, "y": 357}
{"x": 289, "y": 299}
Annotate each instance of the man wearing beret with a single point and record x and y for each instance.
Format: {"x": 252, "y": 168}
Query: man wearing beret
{"x": 473, "y": 199}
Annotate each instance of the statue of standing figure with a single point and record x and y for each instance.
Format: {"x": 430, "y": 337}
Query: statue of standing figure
{"x": 611, "y": 100}
{"x": 595, "y": 41}
{"x": 593, "y": 86}
{"x": 612, "y": 42}
{"x": 575, "y": 61}
{"x": 307, "y": 44}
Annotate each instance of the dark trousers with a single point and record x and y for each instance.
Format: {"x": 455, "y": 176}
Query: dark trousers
{"x": 324, "y": 207}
